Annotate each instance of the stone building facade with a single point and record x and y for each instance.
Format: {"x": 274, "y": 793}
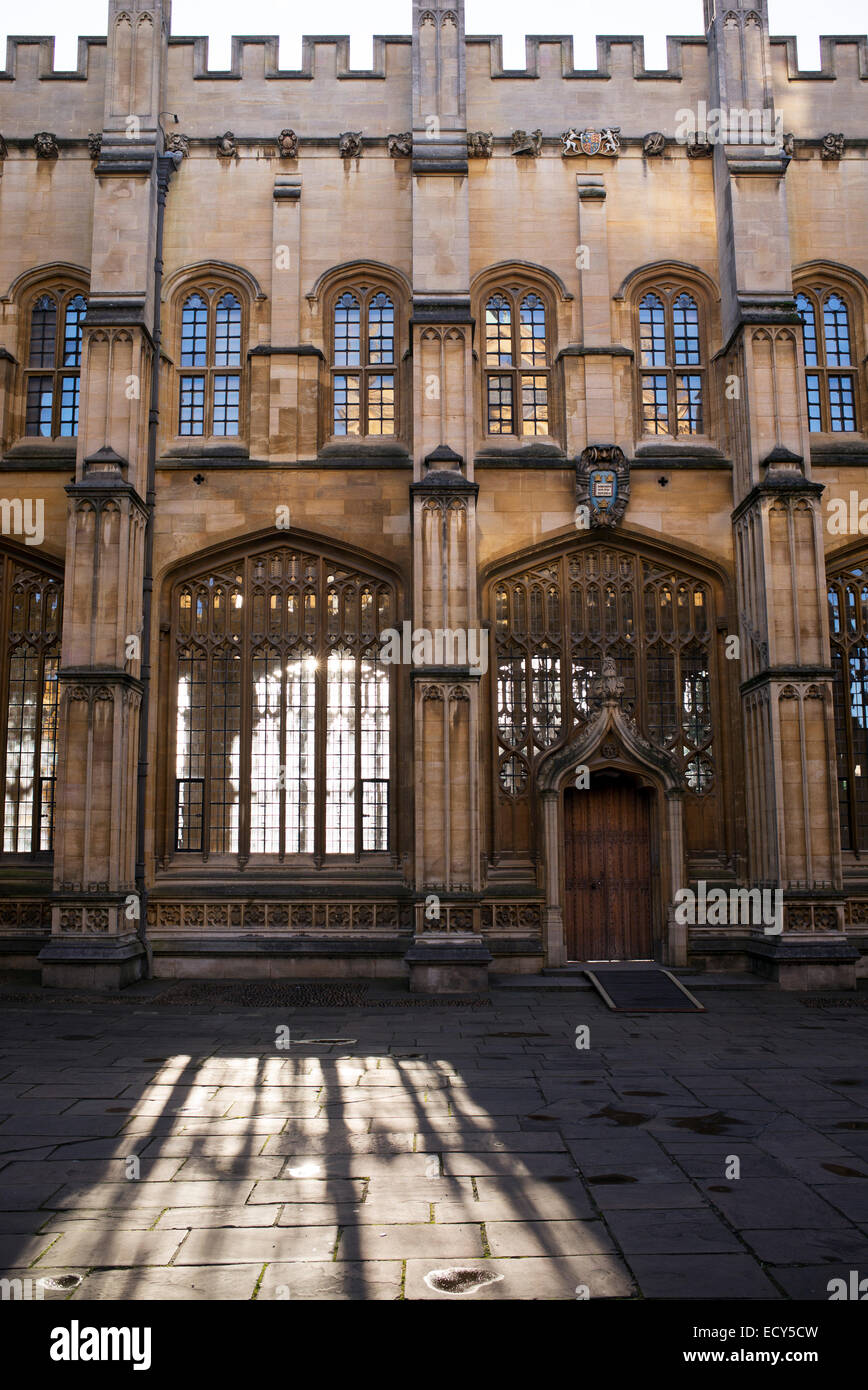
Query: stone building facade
{"x": 432, "y": 506}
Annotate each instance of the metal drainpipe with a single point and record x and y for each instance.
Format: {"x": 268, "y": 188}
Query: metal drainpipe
{"x": 166, "y": 166}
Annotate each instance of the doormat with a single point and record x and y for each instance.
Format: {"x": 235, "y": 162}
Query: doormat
{"x": 643, "y": 990}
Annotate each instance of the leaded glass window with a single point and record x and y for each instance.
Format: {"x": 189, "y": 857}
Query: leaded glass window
{"x": 517, "y": 401}
{"x": 672, "y": 365}
{"x": 209, "y": 395}
{"x": 364, "y": 395}
{"x": 555, "y": 625}
{"x": 283, "y": 729}
{"x": 30, "y": 611}
{"x": 830, "y": 369}
{"x": 848, "y": 630}
{"x": 53, "y": 357}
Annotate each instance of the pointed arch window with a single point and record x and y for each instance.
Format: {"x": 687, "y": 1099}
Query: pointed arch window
{"x": 555, "y": 625}
{"x": 210, "y": 362}
{"x": 53, "y": 364}
{"x": 848, "y": 631}
{"x": 364, "y": 364}
{"x": 830, "y": 367}
{"x": 283, "y": 723}
{"x": 672, "y": 363}
{"x": 517, "y": 364}
{"x": 30, "y": 613}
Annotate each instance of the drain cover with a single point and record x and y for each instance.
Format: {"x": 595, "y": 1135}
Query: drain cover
{"x": 460, "y": 1279}
{"x": 60, "y": 1282}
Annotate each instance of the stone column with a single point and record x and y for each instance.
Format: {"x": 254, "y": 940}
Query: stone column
{"x": 95, "y": 924}
{"x": 786, "y": 689}
{"x": 448, "y": 952}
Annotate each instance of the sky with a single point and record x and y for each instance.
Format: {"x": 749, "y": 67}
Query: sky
{"x": 219, "y": 19}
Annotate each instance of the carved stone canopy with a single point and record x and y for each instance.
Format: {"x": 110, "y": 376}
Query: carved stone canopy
{"x": 609, "y": 725}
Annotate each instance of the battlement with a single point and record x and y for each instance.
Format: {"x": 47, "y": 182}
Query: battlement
{"x": 549, "y": 93}
{"x": 329, "y": 55}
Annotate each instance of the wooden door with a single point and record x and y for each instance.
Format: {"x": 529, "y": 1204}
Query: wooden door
{"x": 607, "y": 861}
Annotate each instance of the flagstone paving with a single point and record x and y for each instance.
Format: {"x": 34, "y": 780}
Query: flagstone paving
{"x": 167, "y": 1152}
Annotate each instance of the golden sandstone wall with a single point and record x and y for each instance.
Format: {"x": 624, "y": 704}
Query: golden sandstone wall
{"x": 735, "y": 224}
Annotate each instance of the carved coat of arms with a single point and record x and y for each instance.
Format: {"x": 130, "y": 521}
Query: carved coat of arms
{"x": 602, "y": 485}
{"x": 604, "y": 141}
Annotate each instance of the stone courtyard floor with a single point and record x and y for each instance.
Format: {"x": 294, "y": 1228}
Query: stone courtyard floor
{"x": 165, "y": 1145}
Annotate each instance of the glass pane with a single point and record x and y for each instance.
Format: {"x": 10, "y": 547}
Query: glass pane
{"x": 498, "y": 332}
{"x": 652, "y": 332}
{"x": 809, "y": 329}
{"x": 512, "y": 701}
{"x": 22, "y": 723}
{"x": 534, "y": 405}
{"x": 655, "y": 405}
{"x": 69, "y": 393}
{"x": 265, "y": 764}
{"x": 227, "y": 342}
{"x": 836, "y": 332}
{"x": 546, "y": 698}
{"x": 688, "y": 401}
{"x": 43, "y": 332}
{"x": 347, "y": 412}
{"x": 685, "y": 324}
{"x": 347, "y": 332}
{"x": 500, "y": 405}
{"x": 381, "y": 405}
{"x": 75, "y": 312}
{"x": 815, "y": 419}
{"x": 191, "y": 413}
{"x": 842, "y": 412}
{"x": 381, "y": 331}
{"x": 532, "y": 332}
{"x": 374, "y": 728}
{"x": 194, "y": 332}
{"x": 340, "y": 753}
{"x": 225, "y": 752}
{"x": 40, "y": 394}
{"x": 190, "y": 743}
{"x": 226, "y": 404}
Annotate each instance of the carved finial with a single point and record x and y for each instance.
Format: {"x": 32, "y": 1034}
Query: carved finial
{"x": 608, "y": 687}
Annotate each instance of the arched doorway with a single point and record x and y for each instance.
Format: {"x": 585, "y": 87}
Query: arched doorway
{"x": 608, "y": 869}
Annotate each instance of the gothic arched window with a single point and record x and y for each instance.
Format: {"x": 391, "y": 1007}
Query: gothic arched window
{"x": 672, "y": 363}
{"x": 830, "y": 360}
{"x": 53, "y": 364}
{"x": 283, "y": 708}
{"x": 848, "y": 630}
{"x": 210, "y": 363}
{"x": 30, "y": 614}
{"x": 364, "y": 364}
{"x": 516, "y": 364}
{"x": 555, "y": 624}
